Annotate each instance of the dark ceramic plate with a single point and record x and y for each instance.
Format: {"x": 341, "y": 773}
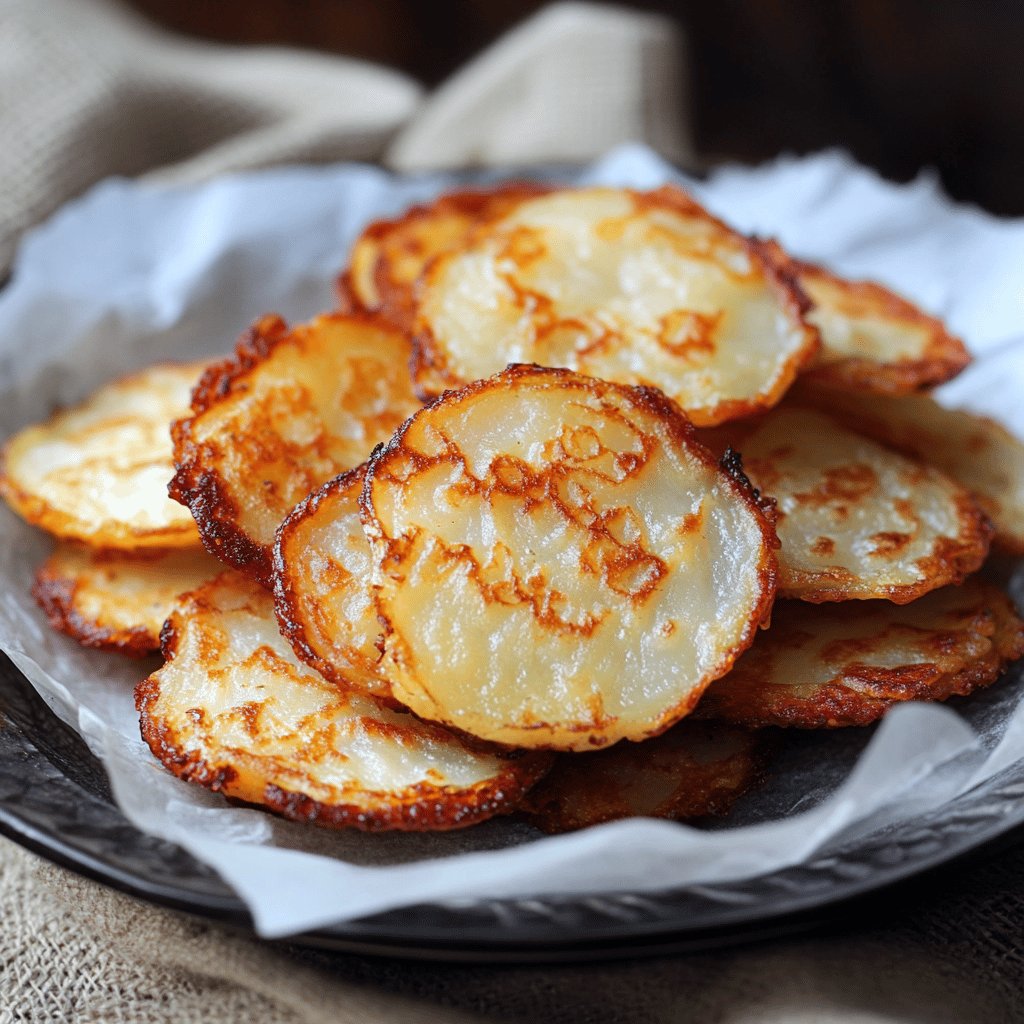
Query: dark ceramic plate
{"x": 54, "y": 799}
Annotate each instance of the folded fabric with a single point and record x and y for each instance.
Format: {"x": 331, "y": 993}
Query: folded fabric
{"x": 88, "y": 90}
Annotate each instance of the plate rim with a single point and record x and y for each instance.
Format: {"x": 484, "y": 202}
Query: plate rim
{"x": 534, "y": 940}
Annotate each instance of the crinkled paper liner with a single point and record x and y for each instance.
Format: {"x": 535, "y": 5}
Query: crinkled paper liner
{"x": 130, "y": 274}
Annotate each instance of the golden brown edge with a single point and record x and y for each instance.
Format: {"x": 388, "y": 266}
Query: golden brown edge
{"x": 202, "y": 491}
{"x": 945, "y": 355}
{"x": 836, "y": 706}
{"x": 419, "y": 808}
{"x": 431, "y": 374}
{"x": 289, "y": 621}
{"x": 55, "y": 594}
{"x": 684, "y": 434}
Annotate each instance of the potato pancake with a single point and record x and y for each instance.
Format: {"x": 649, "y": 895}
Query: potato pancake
{"x": 694, "y": 770}
{"x": 632, "y": 287}
{"x": 117, "y": 600}
{"x": 98, "y": 472}
{"x": 290, "y": 410}
{"x": 975, "y": 451}
{"x": 837, "y": 665}
{"x": 875, "y": 340}
{"x": 857, "y": 520}
{"x": 560, "y": 564}
{"x": 322, "y": 587}
{"x": 232, "y": 710}
{"x": 389, "y": 257}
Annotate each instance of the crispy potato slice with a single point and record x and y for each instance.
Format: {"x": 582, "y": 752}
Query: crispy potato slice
{"x": 836, "y": 665}
{"x": 979, "y": 453}
{"x": 117, "y": 600}
{"x": 873, "y": 339}
{"x": 693, "y": 770}
{"x": 322, "y": 587}
{"x": 561, "y": 565}
{"x": 98, "y": 472}
{"x": 857, "y": 520}
{"x": 639, "y": 288}
{"x": 234, "y": 711}
{"x": 389, "y": 257}
{"x": 291, "y": 409}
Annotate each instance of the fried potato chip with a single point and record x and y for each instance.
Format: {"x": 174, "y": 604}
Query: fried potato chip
{"x": 291, "y": 409}
{"x": 98, "y": 472}
{"x": 117, "y": 600}
{"x": 234, "y": 711}
{"x": 837, "y": 665}
{"x": 857, "y": 520}
{"x": 389, "y": 257}
{"x": 322, "y": 587}
{"x": 875, "y": 340}
{"x": 639, "y": 288}
{"x": 693, "y": 770}
{"x": 560, "y": 564}
{"x": 978, "y": 452}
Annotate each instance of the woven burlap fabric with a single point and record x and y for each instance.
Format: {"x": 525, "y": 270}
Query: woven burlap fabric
{"x": 72, "y": 950}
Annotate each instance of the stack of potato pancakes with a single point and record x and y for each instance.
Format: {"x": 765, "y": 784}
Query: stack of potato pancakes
{"x": 575, "y": 493}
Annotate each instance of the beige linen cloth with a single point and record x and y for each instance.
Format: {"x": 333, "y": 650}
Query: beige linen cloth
{"x": 88, "y": 90}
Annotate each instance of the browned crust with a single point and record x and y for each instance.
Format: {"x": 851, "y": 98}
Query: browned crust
{"x": 345, "y": 294}
{"x": 905, "y": 439}
{"x": 290, "y": 623}
{"x": 40, "y": 513}
{"x": 214, "y": 509}
{"x": 680, "y": 430}
{"x": 432, "y": 375}
{"x": 951, "y": 561}
{"x": 396, "y": 299}
{"x": 55, "y": 594}
{"x": 706, "y": 792}
{"x": 945, "y": 355}
{"x": 202, "y": 492}
{"x": 417, "y": 809}
{"x": 835, "y": 705}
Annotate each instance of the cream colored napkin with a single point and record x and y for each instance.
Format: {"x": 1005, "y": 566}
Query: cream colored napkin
{"x": 89, "y": 90}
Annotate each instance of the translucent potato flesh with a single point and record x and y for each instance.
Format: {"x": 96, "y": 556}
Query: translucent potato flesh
{"x": 874, "y": 340}
{"x": 561, "y": 565}
{"x": 289, "y": 411}
{"x": 98, "y": 472}
{"x": 639, "y": 288}
{"x": 835, "y": 665}
{"x": 693, "y": 770}
{"x": 322, "y": 587}
{"x": 857, "y": 520}
{"x": 979, "y": 453}
{"x": 117, "y": 600}
{"x": 389, "y": 257}
{"x": 234, "y": 711}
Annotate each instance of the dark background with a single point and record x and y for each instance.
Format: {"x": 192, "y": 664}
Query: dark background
{"x": 903, "y": 84}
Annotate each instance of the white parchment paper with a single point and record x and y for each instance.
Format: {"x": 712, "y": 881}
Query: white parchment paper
{"x": 129, "y": 274}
